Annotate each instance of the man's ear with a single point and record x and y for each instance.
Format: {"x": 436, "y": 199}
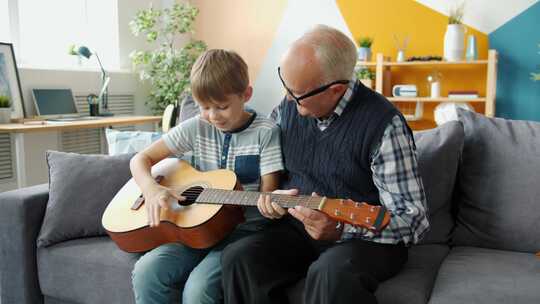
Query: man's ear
{"x": 248, "y": 93}
{"x": 339, "y": 89}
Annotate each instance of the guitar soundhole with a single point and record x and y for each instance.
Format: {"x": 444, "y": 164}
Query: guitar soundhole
{"x": 191, "y": 195}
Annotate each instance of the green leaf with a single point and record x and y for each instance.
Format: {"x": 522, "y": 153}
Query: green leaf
{"x": 365, "y": 74}
{"x": 71, "y": 50}
{"x": 166, "y": 68}
{"x": 365, "y": 42}
{"x": 4, "y": 101}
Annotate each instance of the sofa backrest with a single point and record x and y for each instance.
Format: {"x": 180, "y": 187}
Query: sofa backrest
{"x": 498, "y": 190}
{"x": 438, "y": 152}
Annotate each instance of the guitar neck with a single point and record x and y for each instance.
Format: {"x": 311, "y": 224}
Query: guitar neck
{"x": 348, "y": 211}
{"x": 249, "y": 198}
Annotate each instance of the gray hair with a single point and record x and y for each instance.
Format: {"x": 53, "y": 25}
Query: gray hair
{"x": 335, "y": 52}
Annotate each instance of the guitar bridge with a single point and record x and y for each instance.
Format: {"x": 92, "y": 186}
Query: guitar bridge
{"x": 140, "y": 200}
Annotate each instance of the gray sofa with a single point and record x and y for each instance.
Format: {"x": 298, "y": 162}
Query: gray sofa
{"x": 482, "y": 181}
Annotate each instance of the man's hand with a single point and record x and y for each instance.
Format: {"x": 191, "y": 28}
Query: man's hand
{"x": 317, "y": 224}
{"x": 270, "y": 209}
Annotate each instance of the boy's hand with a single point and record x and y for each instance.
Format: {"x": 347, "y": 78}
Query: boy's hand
{"x": 270, "y": 209}
{"x": 158, "y": 197}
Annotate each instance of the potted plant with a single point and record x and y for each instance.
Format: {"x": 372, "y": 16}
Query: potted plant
{"x": 364, "y": 48}
{"x": 454, "y": 37}
{"x": 5, "y": 109}
{"x": 366, "y": 77}
{"x": 167, "y": 67}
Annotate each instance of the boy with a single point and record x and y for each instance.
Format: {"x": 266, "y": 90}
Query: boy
{"x": 224, "y": 135}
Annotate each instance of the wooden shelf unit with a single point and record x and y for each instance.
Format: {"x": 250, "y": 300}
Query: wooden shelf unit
{"x": 440, "y": 99}
{"x": 366, "y": 63}
{"x": 436, "y": 63}
{"x": 383, "y": 65}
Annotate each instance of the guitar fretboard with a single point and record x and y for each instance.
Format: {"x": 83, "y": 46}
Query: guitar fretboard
{"x": 249, "y": 198}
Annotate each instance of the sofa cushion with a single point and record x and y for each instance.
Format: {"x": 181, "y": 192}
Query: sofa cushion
{"x": 51, "y": 300}
{"x": 90, "y": 270}
{"x": 411, "y": 286}
{"x": 80, "y": 188}
{"x": 499, "y": 184}
{"x": 491, "y": 276}
{"x": 124, "y": 142}
{"x": 439, "y": 152}
{"x": 414, "y": 283}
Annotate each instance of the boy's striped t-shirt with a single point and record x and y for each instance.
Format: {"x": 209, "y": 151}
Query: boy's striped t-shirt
{"x": 250, "y": 151}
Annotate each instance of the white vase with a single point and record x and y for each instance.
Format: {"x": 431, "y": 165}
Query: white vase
{"x": 454, "y": 42}
{"x": 5, "y": 115}
{"x": 400, "y": 56}
{"x": 435, "y": 89}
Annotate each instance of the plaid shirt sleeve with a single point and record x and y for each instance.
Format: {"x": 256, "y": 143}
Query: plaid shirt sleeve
{"x": 395, "y": 174}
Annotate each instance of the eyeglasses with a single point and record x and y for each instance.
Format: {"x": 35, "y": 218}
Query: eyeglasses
{"x": 312, "y": 92}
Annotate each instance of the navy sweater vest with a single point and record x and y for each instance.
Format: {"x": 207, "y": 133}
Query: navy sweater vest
{"x": 335, "y": 162}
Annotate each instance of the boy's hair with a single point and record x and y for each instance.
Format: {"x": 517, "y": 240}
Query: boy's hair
{"x": 218, "y": 73}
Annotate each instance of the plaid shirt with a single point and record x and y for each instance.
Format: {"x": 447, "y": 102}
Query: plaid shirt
{"x": 395, "y": 174}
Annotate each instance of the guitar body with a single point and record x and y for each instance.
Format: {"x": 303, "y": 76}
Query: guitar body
{"x": 195, "y": 225}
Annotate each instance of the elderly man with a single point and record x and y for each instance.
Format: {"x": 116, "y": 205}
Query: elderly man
{"x": 340, "y": 139}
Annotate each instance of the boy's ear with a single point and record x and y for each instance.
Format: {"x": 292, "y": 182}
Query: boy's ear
{"x": 248, "y": 93}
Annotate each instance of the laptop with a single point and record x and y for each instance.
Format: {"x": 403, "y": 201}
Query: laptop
{"x": 58, "y": 105}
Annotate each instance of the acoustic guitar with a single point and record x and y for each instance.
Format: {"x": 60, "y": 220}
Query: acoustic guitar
{"x": 212, "y": 209}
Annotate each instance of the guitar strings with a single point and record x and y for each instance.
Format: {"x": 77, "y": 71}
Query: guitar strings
{"x": 219, "y": 195}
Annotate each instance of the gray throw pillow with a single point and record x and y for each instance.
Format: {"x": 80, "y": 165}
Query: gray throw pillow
{"x": 80, "y": 188}
{"x": 439, "y": 151}
{"x": 499, "y": 184}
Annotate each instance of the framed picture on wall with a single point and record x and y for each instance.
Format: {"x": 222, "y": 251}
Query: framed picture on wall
{"x": 10, "y": 84}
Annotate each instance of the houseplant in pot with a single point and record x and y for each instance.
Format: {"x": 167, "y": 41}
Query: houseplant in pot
{"x": 5, "y": 109}
{"x": 366, "y": 77}
{"x": 168, "y": 66}
{"x": 364, "y": 48}
{"x": 454, "y": 45}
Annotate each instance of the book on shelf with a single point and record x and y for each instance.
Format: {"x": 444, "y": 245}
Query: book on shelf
{"x": 463, "y": 94}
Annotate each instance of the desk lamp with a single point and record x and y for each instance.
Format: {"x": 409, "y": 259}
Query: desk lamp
{"x": 105, "y": 79}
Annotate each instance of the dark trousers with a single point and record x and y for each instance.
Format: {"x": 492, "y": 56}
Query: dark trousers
{"x": 259, "y": 269}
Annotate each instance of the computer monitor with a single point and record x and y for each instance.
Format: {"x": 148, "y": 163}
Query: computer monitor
{"x": 54, "y": 102}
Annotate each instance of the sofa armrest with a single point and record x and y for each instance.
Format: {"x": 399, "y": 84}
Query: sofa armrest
{"x": 21, "y": 215}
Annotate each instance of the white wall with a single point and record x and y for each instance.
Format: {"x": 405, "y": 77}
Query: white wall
{"x": 299, "y": 16}
{"x": 127, "y": 9}
{"x": 81, "y": 81}
{"x": 483, "y": 15}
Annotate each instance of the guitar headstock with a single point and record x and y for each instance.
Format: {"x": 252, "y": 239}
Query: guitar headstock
{"x": 364, "y": 215}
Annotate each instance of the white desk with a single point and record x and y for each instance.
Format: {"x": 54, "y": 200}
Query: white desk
{"x": 20, "y": 129}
